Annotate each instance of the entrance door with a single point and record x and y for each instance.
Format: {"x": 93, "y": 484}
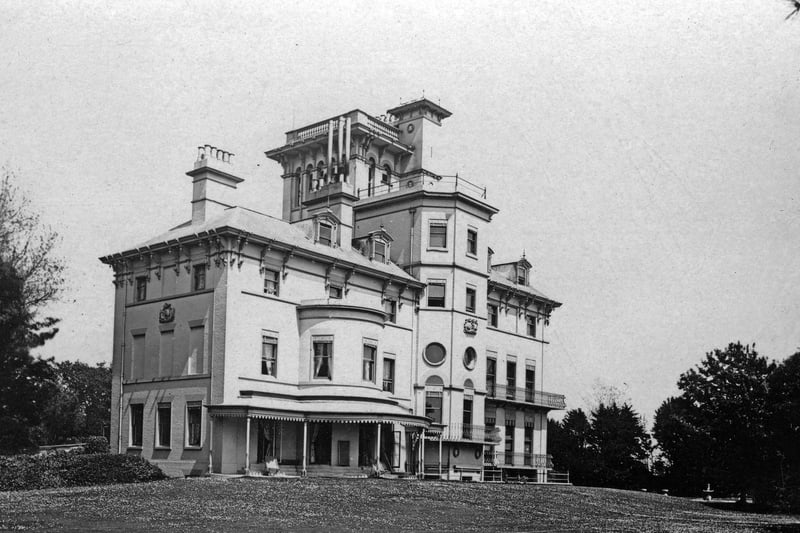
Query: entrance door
{"x": 320, "y": 445}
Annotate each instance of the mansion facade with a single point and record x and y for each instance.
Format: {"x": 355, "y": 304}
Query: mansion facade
{"x": 368, "y": 327}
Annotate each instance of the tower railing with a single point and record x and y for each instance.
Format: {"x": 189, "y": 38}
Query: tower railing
{"x": 423, "y": 180}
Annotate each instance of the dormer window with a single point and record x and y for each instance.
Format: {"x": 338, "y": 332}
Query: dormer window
{"x": 522, "y": 275}
{"x": 326, "y": 229}
{"x": 325, "y": 233}
{"x": 379, "y": 251}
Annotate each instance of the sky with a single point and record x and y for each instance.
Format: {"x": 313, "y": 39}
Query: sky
{"x": 643, "y": 155}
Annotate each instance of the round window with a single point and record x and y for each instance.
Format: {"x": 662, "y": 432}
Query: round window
{"x": 434, "y": 354}
{"x": 470, "y": 357}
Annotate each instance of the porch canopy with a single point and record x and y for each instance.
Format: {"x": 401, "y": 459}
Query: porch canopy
{"x": 341, "y": 417}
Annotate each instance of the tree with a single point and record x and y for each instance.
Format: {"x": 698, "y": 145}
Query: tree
{"x": 783, "y": 397}
{"x": 683, "y": 445}
{"x": 621, "y": 445}
{"x": 80, "y": 404}
{"x": 568, "y": 443}
{"x": 721, "y": 417}
{"x": 30, "y": 276}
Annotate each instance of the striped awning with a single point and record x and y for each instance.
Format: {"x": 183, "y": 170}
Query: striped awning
{"x": 245, "y": 411}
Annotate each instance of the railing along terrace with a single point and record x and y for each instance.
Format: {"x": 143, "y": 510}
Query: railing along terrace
{"x": 518, "y": 394}
{"x": 521, "y": 459}
{"x": 470, "y": 433}
{"x": 356, "y": 117}
{"x": 418, "y": 180}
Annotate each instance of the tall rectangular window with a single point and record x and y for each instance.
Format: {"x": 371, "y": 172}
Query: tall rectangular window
{"x": 323, "y": 358}
{"x": 437, "y": 234}
{"x": 269, "y": 356}
{"x": 466, "y": 418}
{"x": 436, "y": 293}
{"x": 491, "y": 376}
{"x": 530, "y": 383}
{"x": 528, "y": 445}
{"x": 511, "y": 379}
{"x": 388, "y": 375}
{"x": 470, "y": 305}
{"x": 531, "y": 319}
{"x": 138, "y": 356}
{"x": 272, "y": 282}
{"x": 509, "y": 444}
{"x": 492, "y": 312}
{"x": 163, "y": 425}
{"x": 472, "y": 242}
{"x": 390, "y": 308}
{"x": 194, "y": 363}
{"x": 325, "y": 234}
{"x": 141, "y": 288}
{"x": 368, "y": 363}
{"x": 137, "y": 424}
{"x": 433, "y": 405}
{"x": 199, "y": 277}
{"x": 194, "y": 418}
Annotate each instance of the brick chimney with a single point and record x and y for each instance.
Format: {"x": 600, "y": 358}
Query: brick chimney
{"x": 213, "y": 184}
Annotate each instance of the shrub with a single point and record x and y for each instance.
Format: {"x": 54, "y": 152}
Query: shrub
{"x": 24, "y": 472}
{"x": 96, "y": 445}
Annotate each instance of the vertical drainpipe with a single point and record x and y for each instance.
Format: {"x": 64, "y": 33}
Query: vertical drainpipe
{"x": 122, "y": 365}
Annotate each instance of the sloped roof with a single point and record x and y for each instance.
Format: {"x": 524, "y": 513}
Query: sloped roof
{"x": 499, "y": 279}
{"x": 270, "y": 228}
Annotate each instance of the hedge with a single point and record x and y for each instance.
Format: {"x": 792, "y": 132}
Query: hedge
{"x": 69, "y": 469}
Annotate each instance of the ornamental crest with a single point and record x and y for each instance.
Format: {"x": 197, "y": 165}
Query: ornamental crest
{"x": 167, "y": 313}
{"x": 471, "y": 326}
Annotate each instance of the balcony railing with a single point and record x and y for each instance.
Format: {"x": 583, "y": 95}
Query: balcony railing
{"x": 357, "y": 118}
{"x": 471, "y": 433}
{"x": 517, "y": 459}
{"x": 522, "y": 395}
{"x": 418, "y": 180}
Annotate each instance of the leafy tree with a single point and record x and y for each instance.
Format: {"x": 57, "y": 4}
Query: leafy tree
{"x": 80, "y": 405}
{"x": 30, "y": 276}
{"x": 783, "y": 486}
{"x": 721, "y": 417}
{"x": 568, "y": 443}
{"x": 621, "y": 445}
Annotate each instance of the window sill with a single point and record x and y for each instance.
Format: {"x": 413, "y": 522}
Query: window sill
{"x": 436, "y": 249}
{"x": 134, "y": 448}
{"x": 193, "y": 448}
{"x": 161, "y": 448}
{"x": 472, "y": 256}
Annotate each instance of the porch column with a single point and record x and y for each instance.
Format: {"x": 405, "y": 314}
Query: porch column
{"x": 305, "y": 445}
{"x": 440, "y": 459}
{"x": 378, "y": 447}
{"x": 483, "y": 454}
{"x": 247, "y": 448}
{"x": 210, "y": 444}
{"x": 422, "y": 454}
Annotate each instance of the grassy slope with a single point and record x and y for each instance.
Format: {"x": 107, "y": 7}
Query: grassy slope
{"x": 264, "y": 504}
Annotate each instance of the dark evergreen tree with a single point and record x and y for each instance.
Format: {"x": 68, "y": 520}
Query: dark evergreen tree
{"x": 621, "y": 446}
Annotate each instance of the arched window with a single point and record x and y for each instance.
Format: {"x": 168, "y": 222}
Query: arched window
{"x": 322, "y": 177}
{"x": 433, "y": 398}
{"x": 310, "y": 176}
{"x": 386, "y": 177}
{"x": 298, "y": 186}
{"x": 434, "y": 354}
{"x": 371, "y": 178}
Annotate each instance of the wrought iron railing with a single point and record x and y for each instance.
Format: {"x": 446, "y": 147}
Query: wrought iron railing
{"x": 525, "y": 395}
{"x": 471, "y": 433}
{"x": 421, "y": 179}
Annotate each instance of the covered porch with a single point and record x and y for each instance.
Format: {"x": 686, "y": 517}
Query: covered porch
{"x": 261, "y": 441}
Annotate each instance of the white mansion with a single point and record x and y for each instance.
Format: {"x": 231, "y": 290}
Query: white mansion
{"x": 366, "y": 326}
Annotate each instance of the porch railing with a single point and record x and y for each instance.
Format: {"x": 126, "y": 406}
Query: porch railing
{"x": 517, "y": 459}
{"x": 524, "y": 395}
{"x": 471, "y": 433}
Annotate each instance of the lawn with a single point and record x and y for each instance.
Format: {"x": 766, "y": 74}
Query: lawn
{"x": 238, "y": 504}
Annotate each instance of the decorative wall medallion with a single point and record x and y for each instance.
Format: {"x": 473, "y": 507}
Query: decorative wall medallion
{"x": 471, "y": 326}
{"x": 410, "y": 128}
{"x": 167, "y": 313}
